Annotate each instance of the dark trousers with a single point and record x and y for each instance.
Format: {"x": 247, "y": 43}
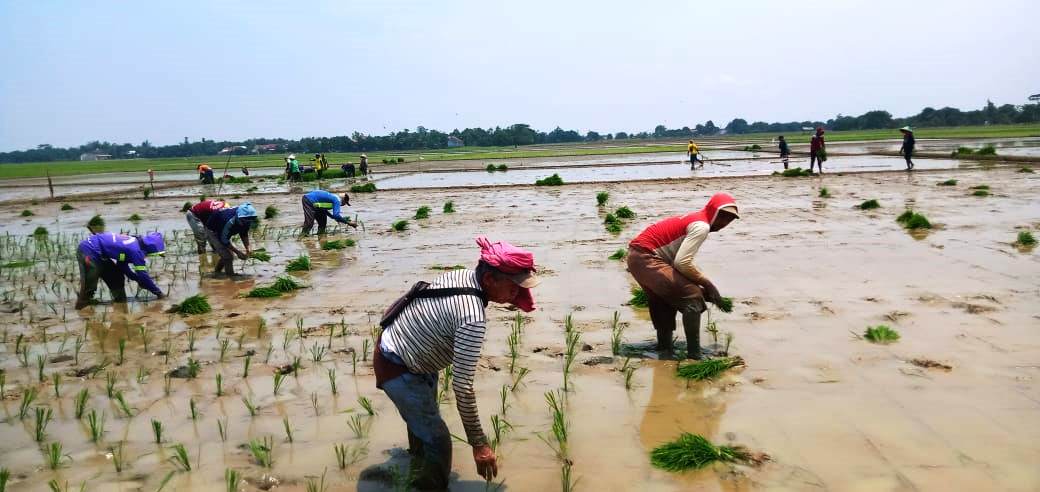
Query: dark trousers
{"x": 907, "y": 155}
{"x": 90, "y": 271}
{"x": 312, "y": 214}
{"x": 226, "y": 263}
{"x": 813, "y": 159}
{"x": 429, "y": 441}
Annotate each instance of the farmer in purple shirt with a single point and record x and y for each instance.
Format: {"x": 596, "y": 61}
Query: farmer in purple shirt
{"x": 111, "y": 257}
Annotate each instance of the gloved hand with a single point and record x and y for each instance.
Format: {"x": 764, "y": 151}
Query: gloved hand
{"x": 241, "y": 255}
{"x": 487, "y": 464}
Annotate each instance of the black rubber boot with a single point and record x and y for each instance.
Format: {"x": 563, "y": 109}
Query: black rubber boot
{"x": 692, "y": 326}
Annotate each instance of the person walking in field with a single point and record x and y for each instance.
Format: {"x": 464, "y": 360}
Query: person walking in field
{"x": 364, "y": 165}
{"x": 114, "y": 258}
{"x": 817, "y": 150}
{"x": 294, "y": 169}
{"x": 908, "y": 146}
{"x": 197, "y": 216}
{"x": 785, "y": 151}
{"x": 443, "y": 324}
{"x": 661, "y": 260}
{"x": 320, "y": 205}
{"x": 692, "y": 151}
{"x": 221, "y": 226}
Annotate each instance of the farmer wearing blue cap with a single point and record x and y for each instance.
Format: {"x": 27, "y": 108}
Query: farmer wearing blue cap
{"x": 225, "y": 223}
{"x": 113, "y": 257}
{"x": 320, "y": 205}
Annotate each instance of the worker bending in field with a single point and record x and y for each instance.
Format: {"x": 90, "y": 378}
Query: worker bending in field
{"x": 692, "y": 151}
{"x": 320, "y": 205}
{"x": 205, "y": 173}
{"x": 198, "y": 215}
{"x": 221, "y": 226}
{"x": 113, "y": 258}
{"x": 440, "y": 324}
{"x": 661, "y": 260}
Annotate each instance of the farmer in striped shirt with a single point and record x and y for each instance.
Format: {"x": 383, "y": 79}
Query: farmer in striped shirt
{"x": 433, "y": 333}
{"x": 661, "y": 260}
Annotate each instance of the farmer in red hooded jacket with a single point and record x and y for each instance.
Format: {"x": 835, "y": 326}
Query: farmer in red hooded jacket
{"x": 817, "y": 150}
{"x": 442, "y": 324}
{"x": 661, "y": 260}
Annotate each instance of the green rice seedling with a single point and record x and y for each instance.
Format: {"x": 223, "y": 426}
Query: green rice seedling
{"x": 639, "y": 298}
{"x": 1024, "y": 169}
{"x": 905, "y": 216}
{"x": 193, "y": 368}
{"x": 288, "y": 429}
{"x": 270, "y": 212}
{"x": 186, "y": 206}
{"x": 366, "y": 404}
{"x": 28, "y": 396}
{"x": 400, "y": 225}
{"x": 5, "y": 476}
{"x": 332, "y": 380}
{"x": 193, "y": 409}
{"x": 554, "y": 180}
{"x": 445, "y": 380}
{"x": 196, "y": 304}
{"x": 267, "y": 356}
{"x": 353, "y": 361}
{"x": 3, "y": 384}
{"x": 65, "y": 207}
{"x": 502, "y": 394}
{"x": 55, "y": 456}
{"x": 44, "y": 415}
{"x": 121, "y": 403}
{"x": 96, "y": 425}
{"x": 56, "y": 381}
{"x": 317, "y": 486}
{"x": 610, "y": 219}
{"x": 260, "y": 255}
{"x": 279, "y": 378}
{"x": 449, "y": 207}
{"x": 27, "y": 213}
{"x": 346, "y": 456}
{"x": 77, "y": 347}
{"x": 499, "y": 426}
{"x": 224, "y": 345}
{"x": 157, "y": 431}
{"x": 220, "y": 385}
{"x": 624, "y": 213}
{"x": 365, "y": 188}
{"x": 692, "y": 451}
{"x": 913, "y": 220}
{"x": 987, "y": 149}
{"x": 570, "y": 352}
{"x": 502, "y": 168}
{"x": 318, "y": 352}
{"x": 869, "y": 205}
{"x": 81, "y": 402}
{"x": 366, "y": 345}
{"x": 337, "y": 244}
{"x": 231, "y": 480}
{"x": 725, "y": 304}
{"x": 490, "y": 168}
{"x": 96, "y": 224}
{"x": 1025, "y": 239}
{"x": 729, "y": 342}
{"x": 167, "y": 382}
{"x": 422, "y": 213}
{"x": 980, "y": 187}
{"x": 122, "y": 351}
{"x": 567, "y": 482}
{"x": 118, "y": 458}
{"x": 708, "y": 369}
{"x": 191, "y": 340}
{"x": 262, "y": 451}
{"x": 796, "y": 172}
{"x": 180, "y": 457}
{"x": 264, "y": 292}
{"x": 250, "y": 406}
{"x": 881, "y": 334}
{"x": 299, "y": 264}
{"x": 41, "y": 365}
{"x": 601, "y": 198}
{"x": 980, "y": 193}
{"x": 357, "y": 426}
{"x": 617, "y": 332}
{"x": 948, "y": 182}
{"x": 134, "y": 218}
{"x": 518, "y": 378}
{"x": 222, "y": 428}
{"x": 825, "y": 193}
{"x": 628, "y": 372}
{"x": 559, "y": 428}
{"x": 40, "y": 231}
{"x": 164, "y": 482}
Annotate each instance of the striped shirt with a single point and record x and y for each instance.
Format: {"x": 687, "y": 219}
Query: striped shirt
{"x": 433, "y": 333}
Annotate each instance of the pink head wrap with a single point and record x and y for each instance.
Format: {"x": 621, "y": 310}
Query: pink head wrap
{"x": 513, "y": 261}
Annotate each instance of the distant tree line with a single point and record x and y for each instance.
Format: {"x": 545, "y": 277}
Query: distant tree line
{"x": 522, "y": 134}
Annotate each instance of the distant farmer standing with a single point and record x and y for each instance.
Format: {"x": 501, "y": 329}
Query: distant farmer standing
{"x": 785, "y": 151}
{"x": 364, "y": 165}
{"x": 692, "y": 151}
{"x": 908, "y": 146}
{"x": 197, "y": 216}
{"x": 661, "y": 260}
{"x": 113, "y": 258}
{"x": 439, "y": 325}
{"x": 320, "y": 205}
{"x": 817, "y": 150}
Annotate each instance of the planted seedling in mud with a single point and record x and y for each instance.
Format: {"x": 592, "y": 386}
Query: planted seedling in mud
{"x": 5, "y": 475}
{"x": 571, "y": 351}
{"x": 554, "y": 180}
{"x": 346, "y": 456}
{"x": 196, "y": 304}
{"x": 617, "y": 331}
{"x": 499, "y": 426}
{"x": 502, "y": 393}
{"x": 913, "y": 220}
{"x": 81, "y": 402}
{"x": 121, "y": 403}
{"x": 279, "y": 378}
{"x": 881, "y": 334}
{"x": 708, "y": 369}
{"x": 449, "y": 207}
{"x": 41, "y": 364}
{"x": 118, "y": 458}
{"x": 262, "y": 451}
{"x": 1025, "y": 239}
{"x": 96, "y": 425}
{"x": 559, "y": 428}
{"x": 28, "y": 396}
{"x": 601, "y": 198}
{"x": 519, "y": 378}
{"x": 220, "y": 385}
{"x": 366, "y": 404}
{"x": 157, "y": 431}
{"x": 193, "y": 409}
{"x": 224, "y": 345}
{"x": 422, "y": 213}
{"x": 628, "y": 371}
{"x": 317, "y": 486}
{"x": 729, "y": 342}
{"x": 612, "y": 224}
{"x": 1026, "y": 170}
{"x": 357, "y": 425}
{"x": 299, "y": 264}
{"x": 618, "y": 255}
{"x": 948, "y": 182}
{"x": 55, "y": 456}
{"x": 122, "y": 351}
{"x": 44, "y": 415}
{"x": 231, "y": 480}
{"x": 337, "y": 244}
{"x": 693, "y": 451}
{"x": 366, "y": 344}
{"x": 638, "y": 298}
{"x": 288, "y": 429}
{"x": 318, "y": 352}
{"x": 180, "y": 457}
{"x": 400, "y": 225}
{"x": 869, "y": 205}
{"x": 193, "y": 368}
{"x": 365, "y": 188}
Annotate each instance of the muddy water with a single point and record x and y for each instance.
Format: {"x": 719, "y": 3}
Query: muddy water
{"x": 835, "y": 412}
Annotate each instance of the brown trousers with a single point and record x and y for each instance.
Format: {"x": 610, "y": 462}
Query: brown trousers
{"x": 667, "y": 290}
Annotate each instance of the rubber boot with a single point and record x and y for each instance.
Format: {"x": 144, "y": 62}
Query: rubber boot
{"x": 219, "y": 270}
{"x": 664, "y": 344}
{"x": 692, "y": 326}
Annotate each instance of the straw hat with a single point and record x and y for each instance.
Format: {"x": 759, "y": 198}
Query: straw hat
{"x": 906, "y": 129}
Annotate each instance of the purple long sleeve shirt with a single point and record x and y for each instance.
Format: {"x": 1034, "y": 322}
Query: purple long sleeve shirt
{"x": 127, "y": 254}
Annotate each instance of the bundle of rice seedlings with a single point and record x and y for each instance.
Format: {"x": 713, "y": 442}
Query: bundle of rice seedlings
{"x": 980, "y": 192}
{"x": 285, "y": 284}
{"x": 260, "y": 255}
{"x": 422, "y": 213}
{"x": 693, "y": 451}
{"x": 264, "y": 292}
{"x": 27, "y": 213}
{"x": 948, "y": 182}
{"x": 502, "y": 167}
{"x": 601, "y": 198}
{"x": 490, "y": 168}
{"x": 365, "y": 188}
{"x": 618, "y": 255}
{"x": 880, "y": 334}
{"x": 795, "y": 173}
{"x": 40, "y": 231}
{"x": 638, "y": 298}
{"x": 134, "y": 218}
{"x": 337, "y": 244}
{"x": 554, "y": 180}
{"x": 869, "y": 205}
{"x": 299, "y": 264}
{"x": 708, "y": 369}
{"x": 980, "y": 187}
{"x": 825, "y": 193}
{"x": 1026, "y": 170}
{"x": 1025, "y": 238}
{"x": 400, "y": 225}
{"x": 96, "y": 224}
{"x": 726, "y": 305}
{"x": 66, "y": 207}
{"x": 196, "y": 304}
{"x": 449, "y": 207}
{"x": 270, "y": 212}
{"x": 913, "y": 220}
{"x": 624, "y": 213}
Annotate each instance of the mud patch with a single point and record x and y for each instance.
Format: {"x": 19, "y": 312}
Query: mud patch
{"x": 931, "y": 364}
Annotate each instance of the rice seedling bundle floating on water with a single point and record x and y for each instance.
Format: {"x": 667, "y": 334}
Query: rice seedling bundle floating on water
{"x": 134, "y": 218}
{"x": 602, "y": 197}
{"x": 66, "y": 207}
{"x": 270, "y": 212}
{"x": 449, "y": 207}
{"x": 422, "y": 213}
{"x": 618, "y": 255}
{"x": 264, "y": 292}
{"x": 400, "y": 225}
{"x": 794, "y": 173}
{"x": 285, "y": 284}
{"x": 299, "y": 264}
{"x": 96, "y": 224}
{"x": 693, "y": 451}
{"x": 260, "y": 255}
{"x": 196, "y": 304}
{"x": 624, "y": 213}
{"x": 913, "y": 220}
{"x": 1025, "y": 238}
{"x": 948, "y": 182}
{"x": 638, "y": 298}
{"x": 881, "y": 334}
{"x": 869, "y": 205}
{"x": 337, "y": 244}
{"x": 365, "y": 188}
{"x": 554, "y": 180}
{"x": 40, "y": 231}
{"x": 27, "y": 213}
{"x": 708, "y": 369}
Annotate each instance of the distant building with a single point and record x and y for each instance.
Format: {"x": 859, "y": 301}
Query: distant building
{"x": 454, "y": 141}
{"x": 232, "y": 149}
{"x": 1034, "y": 97}
{"x": 262, "y": 148}
{"x": 94, "y": 156}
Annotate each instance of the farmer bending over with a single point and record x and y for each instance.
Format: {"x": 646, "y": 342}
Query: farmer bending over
{"x": 111, "y": 257}
{"x": 661, "y": 260}
{"x": 198, "y": 215}
{"x": 447, "y": 328}
{"x": 320, "y": 205}
{"x": 225, "y": 223}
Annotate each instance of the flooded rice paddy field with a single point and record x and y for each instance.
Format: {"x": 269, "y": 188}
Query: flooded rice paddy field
{"x": 807, "y": 274}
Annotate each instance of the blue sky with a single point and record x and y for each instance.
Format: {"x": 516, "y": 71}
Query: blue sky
{"x": 161, "y": 71}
